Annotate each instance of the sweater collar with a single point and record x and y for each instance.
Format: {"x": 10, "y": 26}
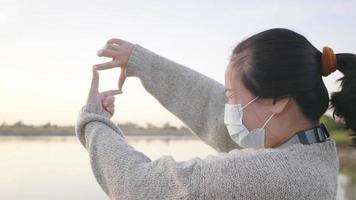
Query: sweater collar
{"x": 317, "y": 134}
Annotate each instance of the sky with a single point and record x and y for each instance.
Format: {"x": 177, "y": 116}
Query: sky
{"x": 49, "y": 47}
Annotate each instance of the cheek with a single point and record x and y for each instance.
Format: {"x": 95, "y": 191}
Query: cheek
{"x": 232, "y": 100}
{"x": 255, "y": 117}
{"x": 249, "y": 120}
{"x": 251, "y": 117}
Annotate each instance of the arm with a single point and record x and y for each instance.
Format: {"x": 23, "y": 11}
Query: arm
{"x": 123, "y": 172}
{"x": 194, "y": 98}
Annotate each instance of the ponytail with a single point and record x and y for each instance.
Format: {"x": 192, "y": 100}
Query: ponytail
{"x": 344, "y": 101}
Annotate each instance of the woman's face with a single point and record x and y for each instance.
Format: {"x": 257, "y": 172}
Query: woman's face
{"x": 256, "y": 113}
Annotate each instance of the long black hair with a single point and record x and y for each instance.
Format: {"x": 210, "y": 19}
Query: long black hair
{"x": 280, "y": 62}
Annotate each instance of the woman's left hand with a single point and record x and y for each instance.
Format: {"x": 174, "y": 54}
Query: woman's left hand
{"x": 104, "y": 99}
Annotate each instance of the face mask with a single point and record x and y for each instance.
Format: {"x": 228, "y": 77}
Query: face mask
{"x": 238, "y": 132}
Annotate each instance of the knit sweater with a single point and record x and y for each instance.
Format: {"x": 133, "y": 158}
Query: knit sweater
{"x": 296, "y": 171}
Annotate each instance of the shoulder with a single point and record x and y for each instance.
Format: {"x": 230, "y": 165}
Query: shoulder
{"x": 275, "y": 171}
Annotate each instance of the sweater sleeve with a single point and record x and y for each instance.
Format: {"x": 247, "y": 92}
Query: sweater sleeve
{"x": 197, "y": 100}
{"x": 122, "y": 171}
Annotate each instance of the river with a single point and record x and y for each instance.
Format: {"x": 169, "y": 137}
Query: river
{"x": 51, "y": 168}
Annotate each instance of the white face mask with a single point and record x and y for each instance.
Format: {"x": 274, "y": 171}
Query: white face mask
{"x": 238, "y": 132}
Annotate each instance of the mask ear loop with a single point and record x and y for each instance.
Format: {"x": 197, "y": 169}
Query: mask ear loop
{"x": 249, "y": 102}
{"x": 268, "y": 120}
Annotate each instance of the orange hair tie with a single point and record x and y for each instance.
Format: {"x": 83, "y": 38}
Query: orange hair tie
{"x": 328, "y": 61}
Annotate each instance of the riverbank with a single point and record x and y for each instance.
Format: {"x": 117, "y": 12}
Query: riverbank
{"x": 41, "y": 131}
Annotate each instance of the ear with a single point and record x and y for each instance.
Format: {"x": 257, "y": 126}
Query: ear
{"x": 279, "y": 105}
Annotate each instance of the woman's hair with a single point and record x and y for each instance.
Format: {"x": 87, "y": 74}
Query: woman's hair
{"x": 278, "y": 62}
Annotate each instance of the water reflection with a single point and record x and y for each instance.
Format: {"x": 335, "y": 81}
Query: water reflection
{"x": 59, "y": 168}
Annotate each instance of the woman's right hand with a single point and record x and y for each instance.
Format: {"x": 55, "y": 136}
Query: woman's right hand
{"x": 119, "y": 50}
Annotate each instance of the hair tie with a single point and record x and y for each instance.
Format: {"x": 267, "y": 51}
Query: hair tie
{"x": 328, "y": 61}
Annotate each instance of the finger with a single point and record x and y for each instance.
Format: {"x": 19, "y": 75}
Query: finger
{"x": 107, "y": 53}
{"x": 106, "y": 104}
{"x": 109, "y": 100}
{"x": 111, "y": 106}
{"x": 113, "y": 47}
{"x": 108, "y": 65}
{"x": 122, "y": 78}
{"x": 115, "y": 41}
{"x": 94, "y": 88}
{"x": 111, "y": 110}
{"x": 111, "y": 92}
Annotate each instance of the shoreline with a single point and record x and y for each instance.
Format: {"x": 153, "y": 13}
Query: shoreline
{"x": 346, "y": 153}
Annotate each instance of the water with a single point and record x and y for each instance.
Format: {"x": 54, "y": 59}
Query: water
{"x": 59, "y": 168}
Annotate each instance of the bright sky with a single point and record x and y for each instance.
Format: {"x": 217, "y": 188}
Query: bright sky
{"x": 48, "y": 47}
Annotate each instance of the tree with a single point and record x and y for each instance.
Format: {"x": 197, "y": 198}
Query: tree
{"x": 130, "y": 125}
{"x": 151, "y": 126}
{"x": 47, "y": 125}
{"x": 183, "y": 128}
{"x": 19, "y": 124}
{"x": 168, "y": 126}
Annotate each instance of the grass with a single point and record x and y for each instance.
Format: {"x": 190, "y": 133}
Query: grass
{"x": 341, "y": 136}
{"x": 337, "y": 130}
{"x": 349, "y": 172}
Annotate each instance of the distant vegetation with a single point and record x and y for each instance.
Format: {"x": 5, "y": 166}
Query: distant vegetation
{"x": 337, "y": 130}
{"x": 21, "y": 129}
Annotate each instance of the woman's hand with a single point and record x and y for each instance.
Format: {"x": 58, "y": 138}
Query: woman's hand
{"x": 104, "y": 99}
{"x": 119, "y": 50}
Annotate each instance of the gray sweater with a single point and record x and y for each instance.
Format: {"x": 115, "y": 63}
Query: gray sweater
{"x": 294, "y": 172}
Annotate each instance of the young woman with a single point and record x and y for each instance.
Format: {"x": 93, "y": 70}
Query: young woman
{"x": 264, "y": 122}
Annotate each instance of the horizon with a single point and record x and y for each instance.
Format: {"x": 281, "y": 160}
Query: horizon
{"x": 145, "y": 125}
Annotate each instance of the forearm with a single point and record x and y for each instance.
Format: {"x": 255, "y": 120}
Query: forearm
{"x": 121, "y": 170}
{"x": 111, "y": 158}
{"x": 194, "y": 98}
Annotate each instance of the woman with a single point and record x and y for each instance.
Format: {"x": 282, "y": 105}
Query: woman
{"x": 264, "y": 123}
